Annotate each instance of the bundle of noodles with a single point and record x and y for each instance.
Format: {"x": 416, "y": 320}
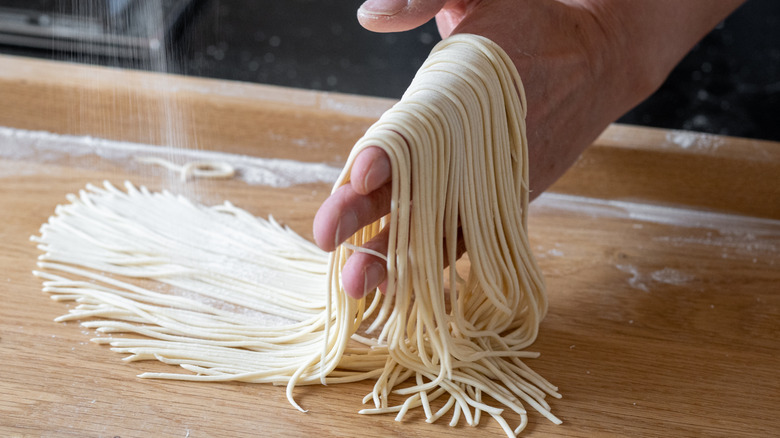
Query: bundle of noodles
{"x": 457, "y": 145}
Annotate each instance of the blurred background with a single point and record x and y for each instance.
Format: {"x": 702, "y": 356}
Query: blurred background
{"x": 729, "y": 83}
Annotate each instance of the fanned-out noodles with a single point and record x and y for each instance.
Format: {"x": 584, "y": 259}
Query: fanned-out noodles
{"x": 228, "y": 296}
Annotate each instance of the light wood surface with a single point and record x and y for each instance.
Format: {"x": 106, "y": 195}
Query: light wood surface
{"x": 661, "y": 252}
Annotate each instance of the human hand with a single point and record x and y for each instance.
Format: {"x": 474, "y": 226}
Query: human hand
{"x": 583, "y": 64}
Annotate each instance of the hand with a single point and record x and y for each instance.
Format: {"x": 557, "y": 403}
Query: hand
{"x": 583, "y": 64}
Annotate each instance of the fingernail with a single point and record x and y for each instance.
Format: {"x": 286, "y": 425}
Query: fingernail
{"x": 377, "y": 174}
{"x": 372, "y": 276}
{"x": 348, "y": 224}
{"x": 383, "y": 7}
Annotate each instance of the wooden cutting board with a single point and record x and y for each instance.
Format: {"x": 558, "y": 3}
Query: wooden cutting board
{"x": 661, "y": 251}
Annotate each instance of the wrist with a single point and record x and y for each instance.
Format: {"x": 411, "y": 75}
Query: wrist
{"x": 645, "y": 40}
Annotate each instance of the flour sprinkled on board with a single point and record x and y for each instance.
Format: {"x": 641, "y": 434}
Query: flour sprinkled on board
{"x": 89, "y": 152}
{"x": 671, "y": 276}
{"x": 693, "y": 140}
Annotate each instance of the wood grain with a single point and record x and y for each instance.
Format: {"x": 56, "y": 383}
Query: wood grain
{"x": 661, "y": 254}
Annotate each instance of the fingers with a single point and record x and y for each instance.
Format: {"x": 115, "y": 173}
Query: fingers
{"x": 345, "y": 212}
{"x": 363, "y": 272}
{"x": 355, "y": 205}
{"x": 397, "y": 15}
{"x": 351, "y": 207}
{"x": 370, "y": 171}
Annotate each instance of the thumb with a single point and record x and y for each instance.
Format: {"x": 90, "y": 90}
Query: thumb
{"x": 397, "y": 15}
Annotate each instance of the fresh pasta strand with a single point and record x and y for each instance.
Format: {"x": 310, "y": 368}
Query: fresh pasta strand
{"x": 248, "y": 299}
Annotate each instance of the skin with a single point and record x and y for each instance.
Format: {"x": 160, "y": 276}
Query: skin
{"x": 584, "y": 63}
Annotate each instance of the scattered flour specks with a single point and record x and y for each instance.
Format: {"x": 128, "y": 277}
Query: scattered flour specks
{"x": 693, "y": 140}
{"x": 682, "y": 139}
{"x": 636, "y": 279}
{"x": 665, "y": 276}
{"x": 671, "y": 276}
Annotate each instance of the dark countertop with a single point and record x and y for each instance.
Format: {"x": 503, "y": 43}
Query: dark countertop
{"x": 728, "y": 84}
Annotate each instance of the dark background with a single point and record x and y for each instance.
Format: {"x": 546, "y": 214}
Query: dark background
{"x": 728, "y": 84}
